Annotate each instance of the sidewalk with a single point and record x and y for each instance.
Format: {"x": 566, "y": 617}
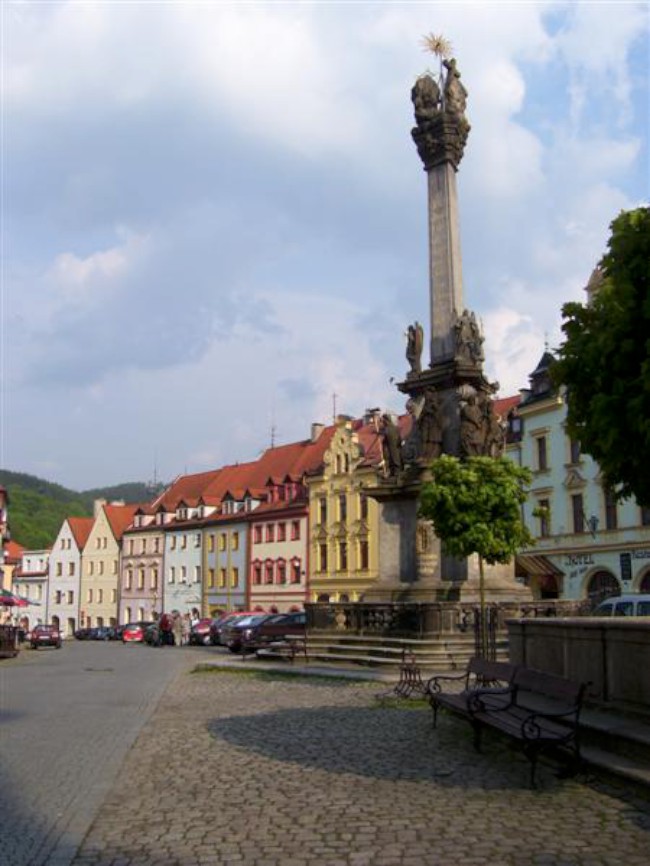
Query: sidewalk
{"x": 311, "y": 771}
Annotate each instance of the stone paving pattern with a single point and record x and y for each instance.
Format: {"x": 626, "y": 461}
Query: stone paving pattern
{"x": 260, "y": 771}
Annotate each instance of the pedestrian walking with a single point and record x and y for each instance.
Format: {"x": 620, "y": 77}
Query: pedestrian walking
{"x": 186, "y": 629}
{"x": 166, "y": 624}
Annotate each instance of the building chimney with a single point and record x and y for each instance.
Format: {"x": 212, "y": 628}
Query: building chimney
{"x": 97, "y": 507}
{"x": 316, "y": 429}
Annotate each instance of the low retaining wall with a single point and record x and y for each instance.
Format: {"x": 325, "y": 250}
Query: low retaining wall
{"x": 613, "y": 654}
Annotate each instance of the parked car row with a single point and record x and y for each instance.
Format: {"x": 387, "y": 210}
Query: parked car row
{"x": 100, "y": 632}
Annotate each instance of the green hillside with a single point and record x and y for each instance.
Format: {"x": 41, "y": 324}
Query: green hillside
{"x": 37, "y": 508}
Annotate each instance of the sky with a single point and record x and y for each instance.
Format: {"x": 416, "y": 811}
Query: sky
{"x": 214, "y": 219}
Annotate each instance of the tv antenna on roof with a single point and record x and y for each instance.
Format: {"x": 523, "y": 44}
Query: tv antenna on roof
{"x": 334, "y": 396}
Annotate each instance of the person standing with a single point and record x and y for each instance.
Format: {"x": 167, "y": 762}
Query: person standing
{"x": 177, "y": 628}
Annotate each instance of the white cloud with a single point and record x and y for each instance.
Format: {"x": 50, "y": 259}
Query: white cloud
{"x": 260, "y": 156}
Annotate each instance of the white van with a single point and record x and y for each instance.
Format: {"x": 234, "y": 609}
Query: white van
{"x": 624, "y": 605}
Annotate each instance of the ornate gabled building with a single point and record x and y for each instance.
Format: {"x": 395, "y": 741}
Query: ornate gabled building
{"x": 588, "y": 545}
{"x": 344, "y": 520}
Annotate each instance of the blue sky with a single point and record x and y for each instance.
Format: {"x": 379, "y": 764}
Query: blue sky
{"x": 214, "y": 217}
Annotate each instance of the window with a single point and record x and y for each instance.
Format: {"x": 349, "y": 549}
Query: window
{"x": 128, "y": 579}
{"x": 268, "y": 571}
{"x": 234, "y": 577}
{"x": 156, "y": 545}
{"x": 70, "y": 596}
{"x": 183, "y": 542}
{"x": 645, "y": 516}
{"x": 183, "y": 574}
{"x": 270, "y": 532}
{"x": 211, "y": 578}
{"x": 222, "y": 577}
{"x": 141, "y": 578}
{"x": 578, "y": 511}
{"x": 542, "y": 456}
{"x": 343, "y": 507}
{"x": 322, "y": 557}
{"x": 172, "y": 542}
{"x": 172, "y": 574}
{"x": 295, "y": 530}
{"x": 322, "y": 510}
{"x": 100, "y": 596}
{"x": 257, "y": 535}
{"x": 131, "y": 543}
{"x": 343, "y": 556}
{"x": 153, "y": 583}
{"x": 211, "y": 543}
{"x": 197, "y": 574}
{"x": 257, "y": 573}
{"x": 282, "y": 571}
{"x": 143, "y": 545}
{"x": 91, "y": 567}
{"x": 100, "y": 566}
{"x": 282, "y": 531}
{"x": 223, "y": 541}
{"x": 113, "y": 596}
{"x": 90, "y": 596}
{"x": 197, "y": 539}
{"x": 363, "y": 506}
{"x": 611, "y": 511}
{"x": 235, "y": 541}
{"x": 574, "y": 450}
{"x": 295, "y": 571}
{"x": 544, "y": 518}
{"x": 57, "y": 596}
{"x": 59, "y": 569}
{"x": 363, "y": 555}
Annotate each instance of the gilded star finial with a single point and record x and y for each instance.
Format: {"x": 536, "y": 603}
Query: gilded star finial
{"x": 437, "y": 45}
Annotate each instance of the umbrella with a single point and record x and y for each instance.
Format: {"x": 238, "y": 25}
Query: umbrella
{"x": 10, "y": 599}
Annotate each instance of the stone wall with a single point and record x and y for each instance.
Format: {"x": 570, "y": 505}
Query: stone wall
{"x": 613, "y": 654}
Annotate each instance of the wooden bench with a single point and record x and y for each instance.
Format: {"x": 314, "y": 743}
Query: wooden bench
{"x": 491, "y": 677}
{"x": 542, "y": 713}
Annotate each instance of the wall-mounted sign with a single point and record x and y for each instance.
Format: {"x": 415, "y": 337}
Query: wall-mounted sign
{"x": 580, "y": 559}
{"x": 626, "y": 566}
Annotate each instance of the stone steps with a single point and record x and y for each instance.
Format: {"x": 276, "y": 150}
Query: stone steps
{"x": 617, "y": 742}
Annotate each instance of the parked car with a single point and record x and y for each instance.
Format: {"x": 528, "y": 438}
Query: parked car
{"x": 234, "y": 633}
{"x": 134, "y": 631}
{"x": 200, "y": 632}
{"x": 625, "y": 605}
{"x": 274, "y": 628}
{"x": 45, "y": 635}
{"x": 219, "y": 624}
{"x": 82, "y": 633}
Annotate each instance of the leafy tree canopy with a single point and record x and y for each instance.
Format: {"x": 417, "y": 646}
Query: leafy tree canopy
{"x": 475, "y": 506}
{"x": 604, "y": 361}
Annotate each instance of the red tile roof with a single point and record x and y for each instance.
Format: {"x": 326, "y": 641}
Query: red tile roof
{"x": 81, "y": 528}
{"x": 120, "y": 517}
{"x": 503, "y": 405}
{"x": 13, "y": 550}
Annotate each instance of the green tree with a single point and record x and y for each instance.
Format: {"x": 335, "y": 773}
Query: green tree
{"x": 604, "y": 362}
{"x": 475, "y": 507}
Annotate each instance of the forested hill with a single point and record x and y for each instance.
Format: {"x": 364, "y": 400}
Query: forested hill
{"x": 37, "y": 508}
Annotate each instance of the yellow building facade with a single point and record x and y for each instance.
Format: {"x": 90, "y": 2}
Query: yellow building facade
{"x": 343, "y": 519}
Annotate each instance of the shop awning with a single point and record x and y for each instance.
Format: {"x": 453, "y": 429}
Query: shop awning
{"x": 536, "y": 566}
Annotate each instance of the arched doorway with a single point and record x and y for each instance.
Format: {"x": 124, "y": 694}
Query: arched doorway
{"x": 323, "y": 597}
{"x": 602, "y": 585}
{"x": 644, "y": 586}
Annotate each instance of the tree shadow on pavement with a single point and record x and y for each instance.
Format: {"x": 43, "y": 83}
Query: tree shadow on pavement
{"x": 386, "y": 743}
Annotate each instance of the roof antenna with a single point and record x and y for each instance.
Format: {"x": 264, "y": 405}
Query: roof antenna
{"x": 334, "y": 396}
{"x": 273, "y": 428}
{"x": 546, "y": 341}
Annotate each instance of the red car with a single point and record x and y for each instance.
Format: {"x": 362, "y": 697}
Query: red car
{"x": 134, "y": 632}
{"x": 45, "y": 635}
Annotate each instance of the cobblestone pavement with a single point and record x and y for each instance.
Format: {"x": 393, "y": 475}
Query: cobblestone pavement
{"x": 253, "y": 770}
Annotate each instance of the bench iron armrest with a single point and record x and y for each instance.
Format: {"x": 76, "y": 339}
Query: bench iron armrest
{"x": 532, "y": 730}
{"x": 433, "y": 686}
